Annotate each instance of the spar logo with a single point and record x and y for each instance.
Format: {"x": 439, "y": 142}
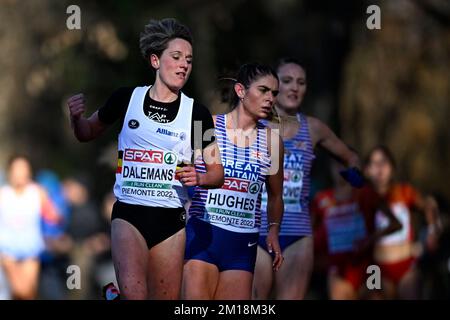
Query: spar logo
{"x": 170, "y": 158}
{"x": 294, "y": 176}
{"x": 254, "y": 188}
{"x": 147, "y": 156}
{"x": 234, "y": 184}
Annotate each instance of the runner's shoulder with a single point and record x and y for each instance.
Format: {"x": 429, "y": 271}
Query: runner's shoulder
{"x": 315, "y": 124}
{"x": 116, "y": 105}
{"x": 200, "y": 109}
{"x": 123, "y": 92}
{"x": 201, "y": 113}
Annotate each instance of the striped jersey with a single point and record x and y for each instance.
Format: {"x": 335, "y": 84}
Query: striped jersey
{"x": 298, "y": 159}
{"x": 237, "y": 205}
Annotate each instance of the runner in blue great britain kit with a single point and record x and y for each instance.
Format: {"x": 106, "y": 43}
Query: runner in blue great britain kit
{"x": 301, "y": 134}
{"x": 223, "y": 229}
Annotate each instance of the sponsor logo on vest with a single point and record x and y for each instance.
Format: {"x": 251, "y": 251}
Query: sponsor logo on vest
{"x": 182, "y": 136}
{"x": 234, "y": 184}
{"x": 293, "y": 175}
{"x": 160, "y": 118}
{"x": 183, "y": 216}
{"x": 170, "y": 158}
{"x": 167, "y": 132}
{"x": 133, "y": 124}
{"x": 147, "y": 156}
{"x": 254, "y": 188}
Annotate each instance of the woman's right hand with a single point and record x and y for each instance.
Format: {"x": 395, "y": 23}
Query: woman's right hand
{"x": 76, "y": 106}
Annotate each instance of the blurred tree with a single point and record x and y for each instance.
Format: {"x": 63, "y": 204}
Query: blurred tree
{"x": 399, "y": 73}
{"x": 397, "y": 90}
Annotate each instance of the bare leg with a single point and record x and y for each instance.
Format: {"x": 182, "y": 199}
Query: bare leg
{"x": 130, "y": 257}
{"x": 292, "y": 280}
{"x": 22, "y": 276}
{"x": 339, "y": 288}
{"x": 263, "y": 277}
{"x": 165, "y": 267}
{"x": 408, "y": 287}
{"x": 234, "y": 285}
{"x": 200, "y": 280}
{"x": 388, "y": 290}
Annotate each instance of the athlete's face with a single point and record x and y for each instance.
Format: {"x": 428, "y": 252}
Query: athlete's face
{"x": 175, "y": 64}
{"x": 259, "y": 97}
{"x": 379, "y": 169}
{"x": 19, "y": 173}
{"x": 292, "y": 86}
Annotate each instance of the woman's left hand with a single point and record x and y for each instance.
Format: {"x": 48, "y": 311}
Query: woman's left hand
{"x": 273, "y": 245}
{"x": 188, "y": 176}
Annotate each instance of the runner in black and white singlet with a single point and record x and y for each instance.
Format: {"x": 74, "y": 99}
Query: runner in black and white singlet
{"x": 301, "y": 134}
{"x": 223, "y": 228}
{"x": 156, "y": 139}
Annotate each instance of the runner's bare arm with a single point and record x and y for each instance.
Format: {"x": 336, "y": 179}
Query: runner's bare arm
{"x": 49, "y": 212}
{"x": 323, "y": 136}
{"x": 84, "y": 129}
{"x": 429, "y": 207}
{"x": 275, "y": 205}
{"x": 214, "y": 176}
{"x": 274, "y": 182}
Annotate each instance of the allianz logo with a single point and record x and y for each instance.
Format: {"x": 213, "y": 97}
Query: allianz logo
{"x": 181, "y": 135}
{"x": 167, "y": 132}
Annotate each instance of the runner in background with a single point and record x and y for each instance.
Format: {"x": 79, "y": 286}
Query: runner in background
{"x": 301, "y": 135}
{"x": 344, "y": 234}
{"x": 23, "y": 205}
{"x": 395, "y": 253}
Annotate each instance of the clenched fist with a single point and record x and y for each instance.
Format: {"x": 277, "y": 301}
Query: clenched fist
{"x": 76, "y": 106}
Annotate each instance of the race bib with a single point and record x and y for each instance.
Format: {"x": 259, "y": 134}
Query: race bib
{"x": 344, "y": 230}
{"x": 148, "y": 173}
{"x": 292, "y": 190}
{"x": 234, "y": 204}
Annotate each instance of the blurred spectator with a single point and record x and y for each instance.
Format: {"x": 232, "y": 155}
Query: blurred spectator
{"x": 104, "y": 270}
{"x": 396, "y": 254}
{"x": 344, "y": 236}
{"x": 22, "y": 205}
{"x": 55, "y": 259}
{"x": 434, "y": 264}
{"x": 89, "y": 233}
{"x": 4, "y": 288}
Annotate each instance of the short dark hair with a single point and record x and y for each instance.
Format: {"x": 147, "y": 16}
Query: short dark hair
{"x": 157, "y": 34}
{"x": 247, "y": 74}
